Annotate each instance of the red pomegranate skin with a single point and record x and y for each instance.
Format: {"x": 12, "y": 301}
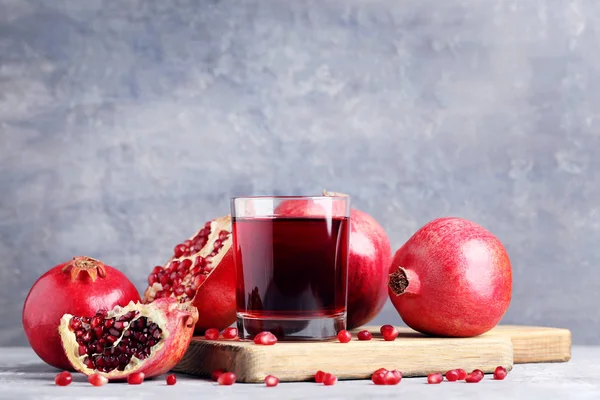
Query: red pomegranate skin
{"x": 55, "y": 294}
{"x": 459, "y": 279}
{"x": 369, "y": 258}
{"x": 368, "y": 261}
{"x": 216, "y": 298}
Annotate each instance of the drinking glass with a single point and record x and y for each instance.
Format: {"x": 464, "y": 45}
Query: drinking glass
{"x": 291, "y": 259}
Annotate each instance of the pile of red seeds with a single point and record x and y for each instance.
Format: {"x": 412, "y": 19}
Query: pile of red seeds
{"x": 182, "y": 278}
{"x": 110, "y": 343}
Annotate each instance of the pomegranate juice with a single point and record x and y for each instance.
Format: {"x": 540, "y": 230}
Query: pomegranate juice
{"x": 291, "y": 275}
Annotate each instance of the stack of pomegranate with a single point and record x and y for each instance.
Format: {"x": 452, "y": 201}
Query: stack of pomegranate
{"x": 97, "y": 323}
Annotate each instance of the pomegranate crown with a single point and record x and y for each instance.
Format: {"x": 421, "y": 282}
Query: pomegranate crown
{"x": 91, "y": 266}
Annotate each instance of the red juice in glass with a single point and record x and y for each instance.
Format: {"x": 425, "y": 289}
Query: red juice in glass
{"x": 291, "y": 271}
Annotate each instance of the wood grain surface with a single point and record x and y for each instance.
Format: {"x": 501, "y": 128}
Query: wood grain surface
{"x": 412, "y": 353}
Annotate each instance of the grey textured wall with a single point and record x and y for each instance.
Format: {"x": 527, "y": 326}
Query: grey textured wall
{"x": 124, "y": 125}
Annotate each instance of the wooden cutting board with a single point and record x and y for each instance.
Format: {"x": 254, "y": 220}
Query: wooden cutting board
{"x": 411, "y": 353}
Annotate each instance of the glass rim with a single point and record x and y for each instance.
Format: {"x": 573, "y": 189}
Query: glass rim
{"x": 288, "y": 197}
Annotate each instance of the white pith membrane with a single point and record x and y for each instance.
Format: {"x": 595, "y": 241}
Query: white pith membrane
{"x": 153, "y": 315}
{"x": 183, "y": 283}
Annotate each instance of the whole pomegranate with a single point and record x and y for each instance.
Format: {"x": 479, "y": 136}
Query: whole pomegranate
{"x": 126, "y": 341}
{"x": 202, "y": 271}
{"x": 81, "y": 286}
{"x": 451, "y": 278}
{"x": 369, "y": 258}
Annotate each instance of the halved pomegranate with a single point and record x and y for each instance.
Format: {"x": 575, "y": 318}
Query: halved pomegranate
{"x": 201, "y": 270}
{"x": 149, "y": 338}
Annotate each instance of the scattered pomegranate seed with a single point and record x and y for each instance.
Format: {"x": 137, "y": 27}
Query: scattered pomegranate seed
{"x": 230, "y": 333}
{"x": 452, "y": 375}
{"x": 473, "y": 378}
{"x": 212, "y": 334}
{"x": 462, "y": 374}
{"x": 171, "y": 379}
{"x": 319, "y": 376}
{"x": 136, "y": 378}
{"x": 389, "y": 332}
{"x": 434, "y": 379}
{"x": 226, "y": 379}
{"x": 265, "y": 338}
{"x": 329, "y": 380}
{"x": 63, "y": 379}
{"x": 97, "y": 380}
{"x": 393, "y": 377}
{"x": 379, "y": 376}
{"x": 364, "y": 335}
{"x": 344, "y": 336}
{"x": 271, "y": 381}
{"x": 500, "y": 373}
{"x": 216, "y": 374}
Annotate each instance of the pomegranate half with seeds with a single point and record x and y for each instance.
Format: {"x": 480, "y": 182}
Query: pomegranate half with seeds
{"x": 80, "y": 286}
{"x": 201, "y": 270}
{"x": 138, "y": 338}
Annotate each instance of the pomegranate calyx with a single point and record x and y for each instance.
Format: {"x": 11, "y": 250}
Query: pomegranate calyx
{"x": 404, "y": 281}
{"x": 93, "y": 267}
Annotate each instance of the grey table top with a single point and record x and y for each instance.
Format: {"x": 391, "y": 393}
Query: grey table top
{"x": 24, "y": 376}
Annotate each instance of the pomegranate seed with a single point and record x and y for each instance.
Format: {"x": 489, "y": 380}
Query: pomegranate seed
{"x": 271, "y": 381}
{"x": 187, "y": 243}
{"x": 389, "y": 332}
{"x": 190, "y": 293}
{"x": 180, "y": 250}
{"x": 462, "y": 374}
{"x": 329, "y": 380}
{"x": 379, "y": 376}
{"x": 163, "y": 279}
{"x": 434, "y": 379}
{"x": 223, "y": 235}
{"x": 319, "y": 376}
{"x": 199, "y": 262}
{"x": 152, "y": 279}
{"x": 226, "y": 378}
{"x": 212, "y": 334}
{"x": 473, "y": 378}
{"x": 157, "y": 269}
{"x": 393, "y": 377}
{"x": 97, "y": 380}
{"x": 171, "y": 379}
{"x": 74, "y": 323}
{"x": 136, "y": 378}
{"x": 344, "y": 336}
{"x": 364, "y": 335}
{"x": 179, "y": 290}
{"x": 478, "y": 372}
{"x": 216, "y": 374}
{"x": 63, "y": 379}
{"x": 230, "y": 333}
{"x": 265, "y": 338}
{"x": 173, "y": 266}
{"x": 185, "y": 265}
{"x": 452, "y": 375}
{"x": 500, "y": 373}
